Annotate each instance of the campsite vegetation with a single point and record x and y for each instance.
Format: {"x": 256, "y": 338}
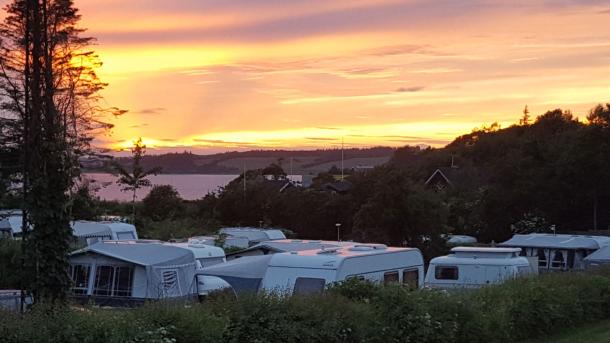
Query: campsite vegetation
{"x": 522, "y": 309}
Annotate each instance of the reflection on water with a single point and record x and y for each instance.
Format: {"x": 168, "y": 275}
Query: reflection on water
{"x": 190, "y": 186}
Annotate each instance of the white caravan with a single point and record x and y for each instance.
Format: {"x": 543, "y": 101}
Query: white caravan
{"x": 474, "y": 267}
{"x": 93, "y": 232}
{"x": 205, "y": 255}
{"x": 310, "y": 271}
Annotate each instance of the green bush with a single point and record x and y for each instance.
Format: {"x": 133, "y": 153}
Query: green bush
{"x": 10, "y": 263}
{"x": 353, "y": 311}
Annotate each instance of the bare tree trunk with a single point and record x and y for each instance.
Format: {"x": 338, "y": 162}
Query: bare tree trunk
{"x": 133, "y": 207}
{"x": 26, "y": 155}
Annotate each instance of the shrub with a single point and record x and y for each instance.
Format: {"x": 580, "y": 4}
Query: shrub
{"x": 352, "y": 311}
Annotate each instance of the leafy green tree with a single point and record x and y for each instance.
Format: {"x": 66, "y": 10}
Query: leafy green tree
{"x": 600, "y": 115}
{"x": 400, "y": 212}
{"x": 85, "y": 205}
{"x": 162, "y": 202}
{"x": 50, "y": 112}
{"x": 136, "y": 178}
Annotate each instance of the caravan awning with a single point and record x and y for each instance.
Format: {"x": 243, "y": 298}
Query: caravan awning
{"x": 600, "y": 256}
{"x": 550, "y": 241}
{"x": 144, "y": 254}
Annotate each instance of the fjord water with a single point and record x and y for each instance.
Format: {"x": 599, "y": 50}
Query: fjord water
{"x": 189, "y": 186}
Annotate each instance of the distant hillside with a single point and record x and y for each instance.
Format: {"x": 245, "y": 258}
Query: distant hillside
{"x": 299, "y": 162}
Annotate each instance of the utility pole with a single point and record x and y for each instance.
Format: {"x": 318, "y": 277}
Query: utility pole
{"x": 338, "y": 225}
{"x": 342, "y": 167}
{"x": 244, "y": 180}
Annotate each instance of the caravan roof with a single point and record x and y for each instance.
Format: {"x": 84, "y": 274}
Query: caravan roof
{"x": 329, "y": 258}
{"x": 481, "y": 256}
{"x": 284, "y": 245}
{"x": 144, "y": 254}
{"x": 559, "y": 241}
{"x": 253, "y": 234}
{"x": 200, "y": 250}
{"x": 84, "y": 228}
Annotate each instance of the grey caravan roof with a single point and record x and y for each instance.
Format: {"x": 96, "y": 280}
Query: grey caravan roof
{"x": 543, "y": 240}
{"x": 285, "y": 245}
{"x": 84, "y": 228}
{"x": 144, "y": 254}
{"x": 600, "y": 256}
{"x": 243, "y": 274}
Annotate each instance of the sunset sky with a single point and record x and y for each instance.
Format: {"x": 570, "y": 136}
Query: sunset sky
{"x": 215, "y": 75}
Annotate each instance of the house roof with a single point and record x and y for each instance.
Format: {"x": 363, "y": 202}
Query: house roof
{"x": 438, "y": 173}
{"x": 559, "y": 241}
{"x": 340, "y": 186}
{"x": 144, "y": 254}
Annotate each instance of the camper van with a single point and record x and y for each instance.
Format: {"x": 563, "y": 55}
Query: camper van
{"x": 474, "y": 267}
{"x": 310, "y": 271}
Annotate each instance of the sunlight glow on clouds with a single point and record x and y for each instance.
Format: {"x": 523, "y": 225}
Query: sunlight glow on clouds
{"x": 266, "y": 73}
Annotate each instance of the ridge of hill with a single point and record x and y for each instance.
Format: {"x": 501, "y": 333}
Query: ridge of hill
{"x": 293, "y": 161}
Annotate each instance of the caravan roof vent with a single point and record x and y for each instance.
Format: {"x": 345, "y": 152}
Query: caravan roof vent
{"x": 331, "y": 250}
{"x": 368, "y": 247}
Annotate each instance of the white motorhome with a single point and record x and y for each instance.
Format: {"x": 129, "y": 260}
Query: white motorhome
{"x": 310, "y": 271}
{"x": 473, "y": 267}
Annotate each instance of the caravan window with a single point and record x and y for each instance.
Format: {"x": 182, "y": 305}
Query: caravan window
{"x": 557, "y": 260}
{"x": 103, "y": 280}
{"x": 80, "y": 278}
{"x": 125, "y": 235}
{"x": 113, "y": 281}
{"x": 541, "y": 258}
{"x": 170, "y": 282}
{"x": 122, "y": 281}
{"x": 308, "y": 285}
{"x": 411, "y": 278}
{"x": 446, "y": 272}
{"x": 390, "y": 277}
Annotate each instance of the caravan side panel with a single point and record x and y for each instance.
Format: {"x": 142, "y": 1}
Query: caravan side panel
{"x": 283, "y": 279}
{"x": 375, "y": 267}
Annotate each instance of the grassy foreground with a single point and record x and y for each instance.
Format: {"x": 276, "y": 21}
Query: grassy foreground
{"x": 598, "y": 333}
{"x": 351, "y": 312}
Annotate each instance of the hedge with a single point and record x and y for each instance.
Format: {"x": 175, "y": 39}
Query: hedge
{"x": 353, "y": 311}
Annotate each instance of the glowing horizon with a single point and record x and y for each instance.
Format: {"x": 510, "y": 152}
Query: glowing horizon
{"x": 237, "y": 74}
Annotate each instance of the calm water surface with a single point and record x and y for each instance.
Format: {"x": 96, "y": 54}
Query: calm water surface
{"x": 190, "y": 186}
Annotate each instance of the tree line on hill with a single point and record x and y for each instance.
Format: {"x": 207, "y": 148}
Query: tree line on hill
{"x": 550, "y": 173}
